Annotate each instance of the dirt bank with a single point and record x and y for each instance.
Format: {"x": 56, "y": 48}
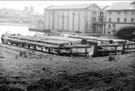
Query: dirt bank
{"x": 46, "y": 72}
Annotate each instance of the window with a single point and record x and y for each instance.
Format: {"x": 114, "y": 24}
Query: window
{"x": 104, "y": 25}
{"x": 93, "y": 19}
{"x": 118, "y": 19}
{"x": 95, "y": 12}
{"x": 6, "y": 13}
{"x": 125, "y": 19}
{"x": 125, "y": 12}
{"x": 101, "y": 14}
{"x": 132, "y": 20}
{"x": 118, "y": 12}
{"x": 113, "y": 25}
{"x": 132, "y": 12}
{"x": 109, "y": 19}
{"x": 109, "y": 26}
{"x": 110, "y": 12}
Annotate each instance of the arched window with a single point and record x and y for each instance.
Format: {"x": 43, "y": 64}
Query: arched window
{"x": 110, "y": 13}
{"x": 109, "y": 19}
{"x": 132, "y": 20}
{"x": 118, "y": 12}
{"x": 118, "y": 19}
{"x": 125, "y": 19}
{"x": 40, "y": 23}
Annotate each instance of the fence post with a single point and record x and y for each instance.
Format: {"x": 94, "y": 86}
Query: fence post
{"x": 115, "y": 50}
{"x": 123, "y": 49}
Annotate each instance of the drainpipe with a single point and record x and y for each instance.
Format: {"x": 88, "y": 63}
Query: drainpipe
{"x": 63, "y": 21}
{"x": 53, "y": 21}
{"x": 73, "y": 21}
{"x": 58, "y": 20}
{"x": 114, "y": 29}
{"x": 49, "y": 21}
{"x": 68, "y": 21}
{"x": 79, "y": 24}
{"x": 86, "y": 19}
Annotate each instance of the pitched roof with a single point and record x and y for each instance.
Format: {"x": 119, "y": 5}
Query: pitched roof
{"x": 104, "y": 6}
{"x": 75, "y": 6}
{"x": 122, "y": 6}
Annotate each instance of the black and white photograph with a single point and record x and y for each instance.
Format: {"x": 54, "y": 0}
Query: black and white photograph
{"x": 67, "y": 45}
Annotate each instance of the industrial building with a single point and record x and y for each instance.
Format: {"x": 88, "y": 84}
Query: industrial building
{"x": 120, "y": 17}
{"x": 85, "y": 18}
{"x": 26, "y": 16}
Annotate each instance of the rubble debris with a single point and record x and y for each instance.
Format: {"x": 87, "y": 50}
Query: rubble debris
{"x": 111, "y": 58}
{"x": 31, "y": 55}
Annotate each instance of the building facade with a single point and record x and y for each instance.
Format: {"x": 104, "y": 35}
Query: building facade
{"x": 37, "y": 20}
{"x": 118, "y": 16}
{"x": 73, "y": 18}
{"x": 103, "y": 18}
{"x": 15, "y": 16}
{"x": 26, "y": 16}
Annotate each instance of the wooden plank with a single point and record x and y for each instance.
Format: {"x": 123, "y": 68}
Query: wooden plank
{"x": 110, "y": 45}
{"x": 34, "y": 43}
{"x": 40, "y": 30}
{"x": 61, "y": 38}
{"x": 92, "y": 38}
{"x": 40, "y": 40}
{"x": 77, "y": 46}
{"x": 133, "y": 43}
{"x": 115, "y": 45}
{"x": 129, "y": 50}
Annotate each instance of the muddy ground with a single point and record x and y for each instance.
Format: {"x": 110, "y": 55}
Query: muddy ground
{"x": 36, "y": 71}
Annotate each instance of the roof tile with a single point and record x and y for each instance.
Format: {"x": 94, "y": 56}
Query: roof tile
{"x": 75, "y": 6}
{"x": 122, "y": 6}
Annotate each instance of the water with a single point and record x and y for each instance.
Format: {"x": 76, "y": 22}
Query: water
{"x": 15, "y": 29}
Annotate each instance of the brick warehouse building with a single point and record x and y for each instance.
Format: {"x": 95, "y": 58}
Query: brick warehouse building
{"x": 120, "y": 15}
{"x": 85, "y": 18}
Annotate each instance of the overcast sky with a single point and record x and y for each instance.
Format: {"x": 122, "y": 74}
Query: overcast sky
{"x": 40, "y": 5}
